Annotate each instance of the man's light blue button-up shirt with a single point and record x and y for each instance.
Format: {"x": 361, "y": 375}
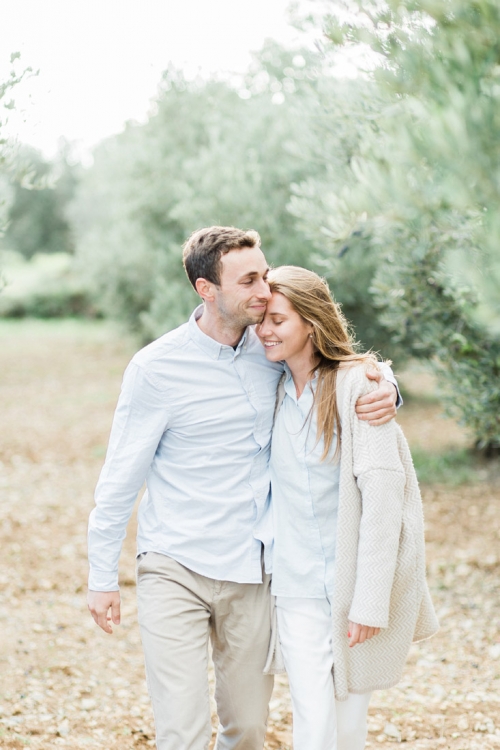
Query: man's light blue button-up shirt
{"x": 194, "y": 420}
{"x": 305, "y": 493}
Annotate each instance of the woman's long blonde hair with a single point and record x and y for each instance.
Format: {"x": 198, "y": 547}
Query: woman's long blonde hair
{"x": 333, "y": 342}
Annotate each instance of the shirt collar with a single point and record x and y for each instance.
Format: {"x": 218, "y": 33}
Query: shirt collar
{"x": 290, "y": 385}
{"x": 209, "y": 345}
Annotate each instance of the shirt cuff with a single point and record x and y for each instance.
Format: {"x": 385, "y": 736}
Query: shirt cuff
{"x": 103, "y": 580}
{"x": 389, "y": 376}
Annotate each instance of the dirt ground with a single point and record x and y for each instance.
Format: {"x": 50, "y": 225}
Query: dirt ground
{"x": 66, "y": 684}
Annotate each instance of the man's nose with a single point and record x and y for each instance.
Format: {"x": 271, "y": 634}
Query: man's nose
{"x": 264, "y": 290}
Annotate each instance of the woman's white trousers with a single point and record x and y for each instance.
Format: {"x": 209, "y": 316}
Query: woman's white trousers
{"x": 319, "y": 721}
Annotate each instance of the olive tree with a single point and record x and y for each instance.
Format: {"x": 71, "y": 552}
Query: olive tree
{"x": 420, "y": 197}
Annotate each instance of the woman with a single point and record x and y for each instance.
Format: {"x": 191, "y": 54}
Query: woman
{"x": 348, "y": 555}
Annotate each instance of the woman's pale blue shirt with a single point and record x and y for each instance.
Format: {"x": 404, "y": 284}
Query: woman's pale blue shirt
{"x": 304, "y": 504}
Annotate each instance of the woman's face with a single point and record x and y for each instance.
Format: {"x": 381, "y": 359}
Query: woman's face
{"x": 284, "y": 334}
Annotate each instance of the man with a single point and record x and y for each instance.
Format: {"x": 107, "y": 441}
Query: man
{"x": 194, "y": 420}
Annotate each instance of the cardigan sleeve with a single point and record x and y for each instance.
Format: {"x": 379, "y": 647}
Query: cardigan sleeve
{"x": 380, "y": 477}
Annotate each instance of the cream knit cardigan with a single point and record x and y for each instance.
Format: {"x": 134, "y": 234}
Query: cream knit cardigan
{"x": 380, "y": 553}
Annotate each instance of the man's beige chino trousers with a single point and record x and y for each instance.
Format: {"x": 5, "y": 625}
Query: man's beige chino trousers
{"x": 178, "y": 611}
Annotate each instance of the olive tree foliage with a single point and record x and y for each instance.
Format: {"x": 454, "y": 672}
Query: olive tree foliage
{"x": 420, "y": 200}
{"x": 8, "y": 165}
{"x": 344, "y": 118}
{"x": 211, "y": 152}
{"x": 36, "y": 217}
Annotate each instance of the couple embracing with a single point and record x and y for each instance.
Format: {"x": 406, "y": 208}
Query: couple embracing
{"x": 330, "y": 507}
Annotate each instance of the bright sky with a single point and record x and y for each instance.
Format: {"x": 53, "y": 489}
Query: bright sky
{"x": 100, "y": 60}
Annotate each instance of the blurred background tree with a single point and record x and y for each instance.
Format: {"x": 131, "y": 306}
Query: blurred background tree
{"x": 35, "y": 236}
{"x": 36, "y": 218}
{"x": 420, "y": 205}
{"x": 7, "y": 147}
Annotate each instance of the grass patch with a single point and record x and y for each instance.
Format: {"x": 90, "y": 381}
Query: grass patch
{"x": 424, "y": 398}
{"x": 78, "y": 329}
{"x": 454, "y": 467}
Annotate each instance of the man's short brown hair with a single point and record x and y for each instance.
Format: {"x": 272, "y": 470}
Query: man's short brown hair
{"x": 202, "y": 251}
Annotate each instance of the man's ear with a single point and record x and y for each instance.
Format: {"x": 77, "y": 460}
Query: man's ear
{"x": 205, "y": 289}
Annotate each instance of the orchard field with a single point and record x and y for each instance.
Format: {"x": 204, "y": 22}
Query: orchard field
{"x": 66, "y": 684}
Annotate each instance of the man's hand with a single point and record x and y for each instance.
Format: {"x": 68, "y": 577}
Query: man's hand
{"x": 360, "y": 633}
{"x": 99, "y": 604}
{"x": 378, "y": 407}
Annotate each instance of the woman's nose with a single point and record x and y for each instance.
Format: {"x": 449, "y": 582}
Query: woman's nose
{"x": 263, "y": 329}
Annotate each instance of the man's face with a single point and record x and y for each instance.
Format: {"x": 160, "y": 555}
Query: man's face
{"x": 244, "y": 292}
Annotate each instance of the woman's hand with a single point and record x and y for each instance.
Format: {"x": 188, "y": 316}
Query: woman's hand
{"x": 360, "y": 633}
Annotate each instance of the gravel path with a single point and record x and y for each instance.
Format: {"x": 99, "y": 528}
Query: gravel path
{"x": 66, "y": 684}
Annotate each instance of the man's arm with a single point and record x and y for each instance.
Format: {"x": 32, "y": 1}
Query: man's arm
{"x": 380, "y": 406}
{"x": 139, "y": 422}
